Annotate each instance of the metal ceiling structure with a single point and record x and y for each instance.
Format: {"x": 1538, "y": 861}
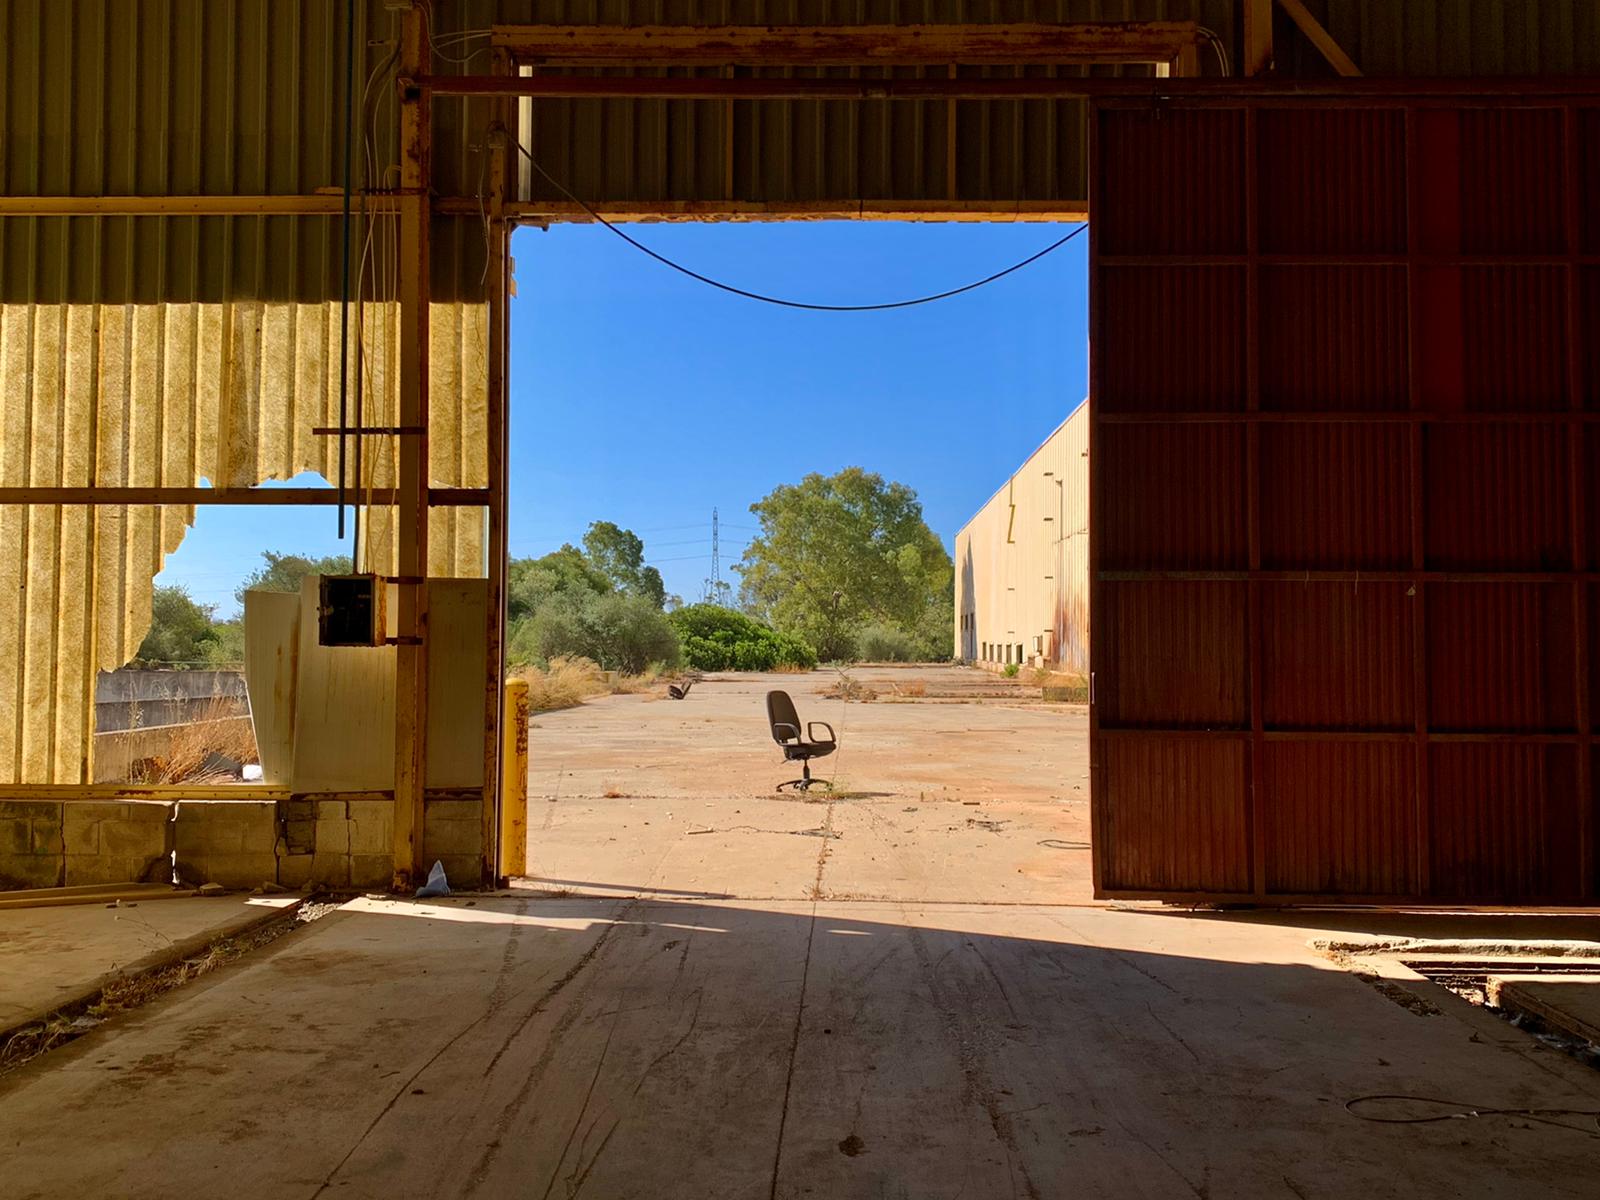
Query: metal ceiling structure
{"x": 171, "y": 185}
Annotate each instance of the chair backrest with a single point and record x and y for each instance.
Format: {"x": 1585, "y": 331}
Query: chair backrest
{"x": 780, "y": 711}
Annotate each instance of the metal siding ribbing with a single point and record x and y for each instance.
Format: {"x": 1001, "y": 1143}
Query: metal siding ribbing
{"x": 150, "y": 395}
{"x": 1409, "y": 716}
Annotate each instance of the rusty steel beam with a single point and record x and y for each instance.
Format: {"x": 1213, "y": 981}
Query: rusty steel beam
{"x": 312, "y": 204}
{"x": 989, "y": 211}
{"x": 1033, "y": 44}
{"x": 411, "y": 508}
{"x": 247, "y": 496}
{"x": 499, "y": 239}
{"x": 1363, "y": 90}
{"x": 1319, "y": 37}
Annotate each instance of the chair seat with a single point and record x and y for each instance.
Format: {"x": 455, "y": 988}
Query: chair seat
{"x": 796, "y": 751}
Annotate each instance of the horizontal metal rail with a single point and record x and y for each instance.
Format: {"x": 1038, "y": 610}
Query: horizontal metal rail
{"x": 849, "y": 45}
{"x": 1367, "y": 90}
{"x": 287, "y": 496}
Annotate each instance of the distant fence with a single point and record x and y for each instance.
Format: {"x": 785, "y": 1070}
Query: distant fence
{"x": 137, "y": 714}
{"x": 141, "y": 699}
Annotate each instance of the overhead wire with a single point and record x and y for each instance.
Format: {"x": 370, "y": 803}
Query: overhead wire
{"x": 781, "y": 301}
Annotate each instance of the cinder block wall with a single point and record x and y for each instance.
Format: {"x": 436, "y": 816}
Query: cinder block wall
{"x": 338, "y": 841}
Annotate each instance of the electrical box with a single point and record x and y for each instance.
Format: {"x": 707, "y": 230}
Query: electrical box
{"x": 351, "y": 611}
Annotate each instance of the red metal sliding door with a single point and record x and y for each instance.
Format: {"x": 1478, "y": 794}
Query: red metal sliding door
{"x": 1345, "y": 498}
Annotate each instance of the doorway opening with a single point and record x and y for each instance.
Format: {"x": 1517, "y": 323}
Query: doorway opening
{"x": 714, "y": 498}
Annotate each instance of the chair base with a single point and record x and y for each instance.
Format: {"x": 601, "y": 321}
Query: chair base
{"x": 803, "y": 784}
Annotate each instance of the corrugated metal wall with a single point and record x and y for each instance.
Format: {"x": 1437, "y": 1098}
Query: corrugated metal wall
{"x": 146, "y": 395}
{"x": 1342, "y": 501}
{"x": 1022, "y": 561}
{"x": 162, "y": 350}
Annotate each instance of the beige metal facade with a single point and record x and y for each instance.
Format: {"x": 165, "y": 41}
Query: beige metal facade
{"x": 1022, "y": 562}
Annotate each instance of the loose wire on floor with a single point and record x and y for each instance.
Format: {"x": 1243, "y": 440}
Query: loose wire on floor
{"x": 779, "y": 300}
{"x": 1463, "y": 1112}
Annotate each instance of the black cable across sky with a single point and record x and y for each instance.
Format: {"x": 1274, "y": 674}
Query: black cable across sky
{"x": 779, "y": 300}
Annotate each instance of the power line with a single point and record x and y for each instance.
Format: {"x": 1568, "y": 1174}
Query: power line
{"x": 779, "y": 300}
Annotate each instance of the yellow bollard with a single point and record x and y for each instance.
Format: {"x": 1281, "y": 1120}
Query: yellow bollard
{"x": 514, "y": 781}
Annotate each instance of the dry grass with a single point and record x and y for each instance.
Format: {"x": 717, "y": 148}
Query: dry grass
{"x": 790, "y": 669}
{"x": 220, "y": 730}
{"x": 1072, "y": 685}
{"x": 914, "y": 688}
{"x": 568, "y": 682}
{"x": 848, "y": 688}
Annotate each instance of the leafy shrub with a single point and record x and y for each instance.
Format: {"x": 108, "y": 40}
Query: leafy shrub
{"x": 1011, "y": 670}
{"x": 720, "y": 639}
{"x": 616, "y": 631}
{"x": 886, "y": 643}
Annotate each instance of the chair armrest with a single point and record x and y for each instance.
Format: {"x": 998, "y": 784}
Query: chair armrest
{"x": 813, "y": 724}
{"x": 792, "y": 736}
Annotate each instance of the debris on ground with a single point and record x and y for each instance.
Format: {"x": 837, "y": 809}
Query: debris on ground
{"x": 847, "y": 689}
{"x": 437, "y": 884}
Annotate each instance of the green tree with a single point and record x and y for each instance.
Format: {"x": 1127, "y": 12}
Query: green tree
{"x": 837, "y": 552}
{"x": 182, "y": 632}
{"x": 618, "y": 554}
{"x": 531, "y": 583}
{"x": 617, "y": 631}
{"x": 283, "y": 572}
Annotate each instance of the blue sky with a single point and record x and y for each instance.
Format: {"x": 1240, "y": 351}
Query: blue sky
{"x": 645, "y": 398}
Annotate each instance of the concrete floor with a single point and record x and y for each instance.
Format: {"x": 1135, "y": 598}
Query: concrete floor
{"x": 774, "y": 1044}
{"x": 54, "y": 956}
{"x": 950, "y": 797}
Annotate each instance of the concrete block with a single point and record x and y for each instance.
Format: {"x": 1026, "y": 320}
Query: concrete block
{"x": 444, "y": 838}
{"x": 333, "y": 836}
{"x": 117, "y": 841}
{"x": 16, "y": 836}
{"x": 332, "y": 810}
{"x": 294, "y": 870}
{"x": 231, "y": 842}
{"x": 452, "y": 827}
{"x": 31, "y": 844}
{"x": 47, "y": 831}
{"x": 141, "y": 830}
{"x": 373, "y": 872}
{"x": 331, "y": 870}
{"x": 31, "y": 871}
{"x": 464, "y": 871}
{"x": 27, "y": 810}
{"x": 84, "y": 869}
{"x": 300, "y": 835}
{"x": 371, "y": 827}
{"x": 80, "y": 825}
{"x": 235, "y": 870}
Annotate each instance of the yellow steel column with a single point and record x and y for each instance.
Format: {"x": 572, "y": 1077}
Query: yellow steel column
{"x": 514, "y": 796}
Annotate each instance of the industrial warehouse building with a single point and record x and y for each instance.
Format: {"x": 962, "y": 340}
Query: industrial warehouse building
{"x": 1325, "y": 534}
{"x": 1022, "y": 562}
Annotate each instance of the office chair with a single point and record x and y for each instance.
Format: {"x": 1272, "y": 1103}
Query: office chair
{"x": 785, "y": 723}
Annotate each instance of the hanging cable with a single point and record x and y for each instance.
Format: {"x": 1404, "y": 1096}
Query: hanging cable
{"x": 779, "y": 300}
{"x": 344, "y": 297}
